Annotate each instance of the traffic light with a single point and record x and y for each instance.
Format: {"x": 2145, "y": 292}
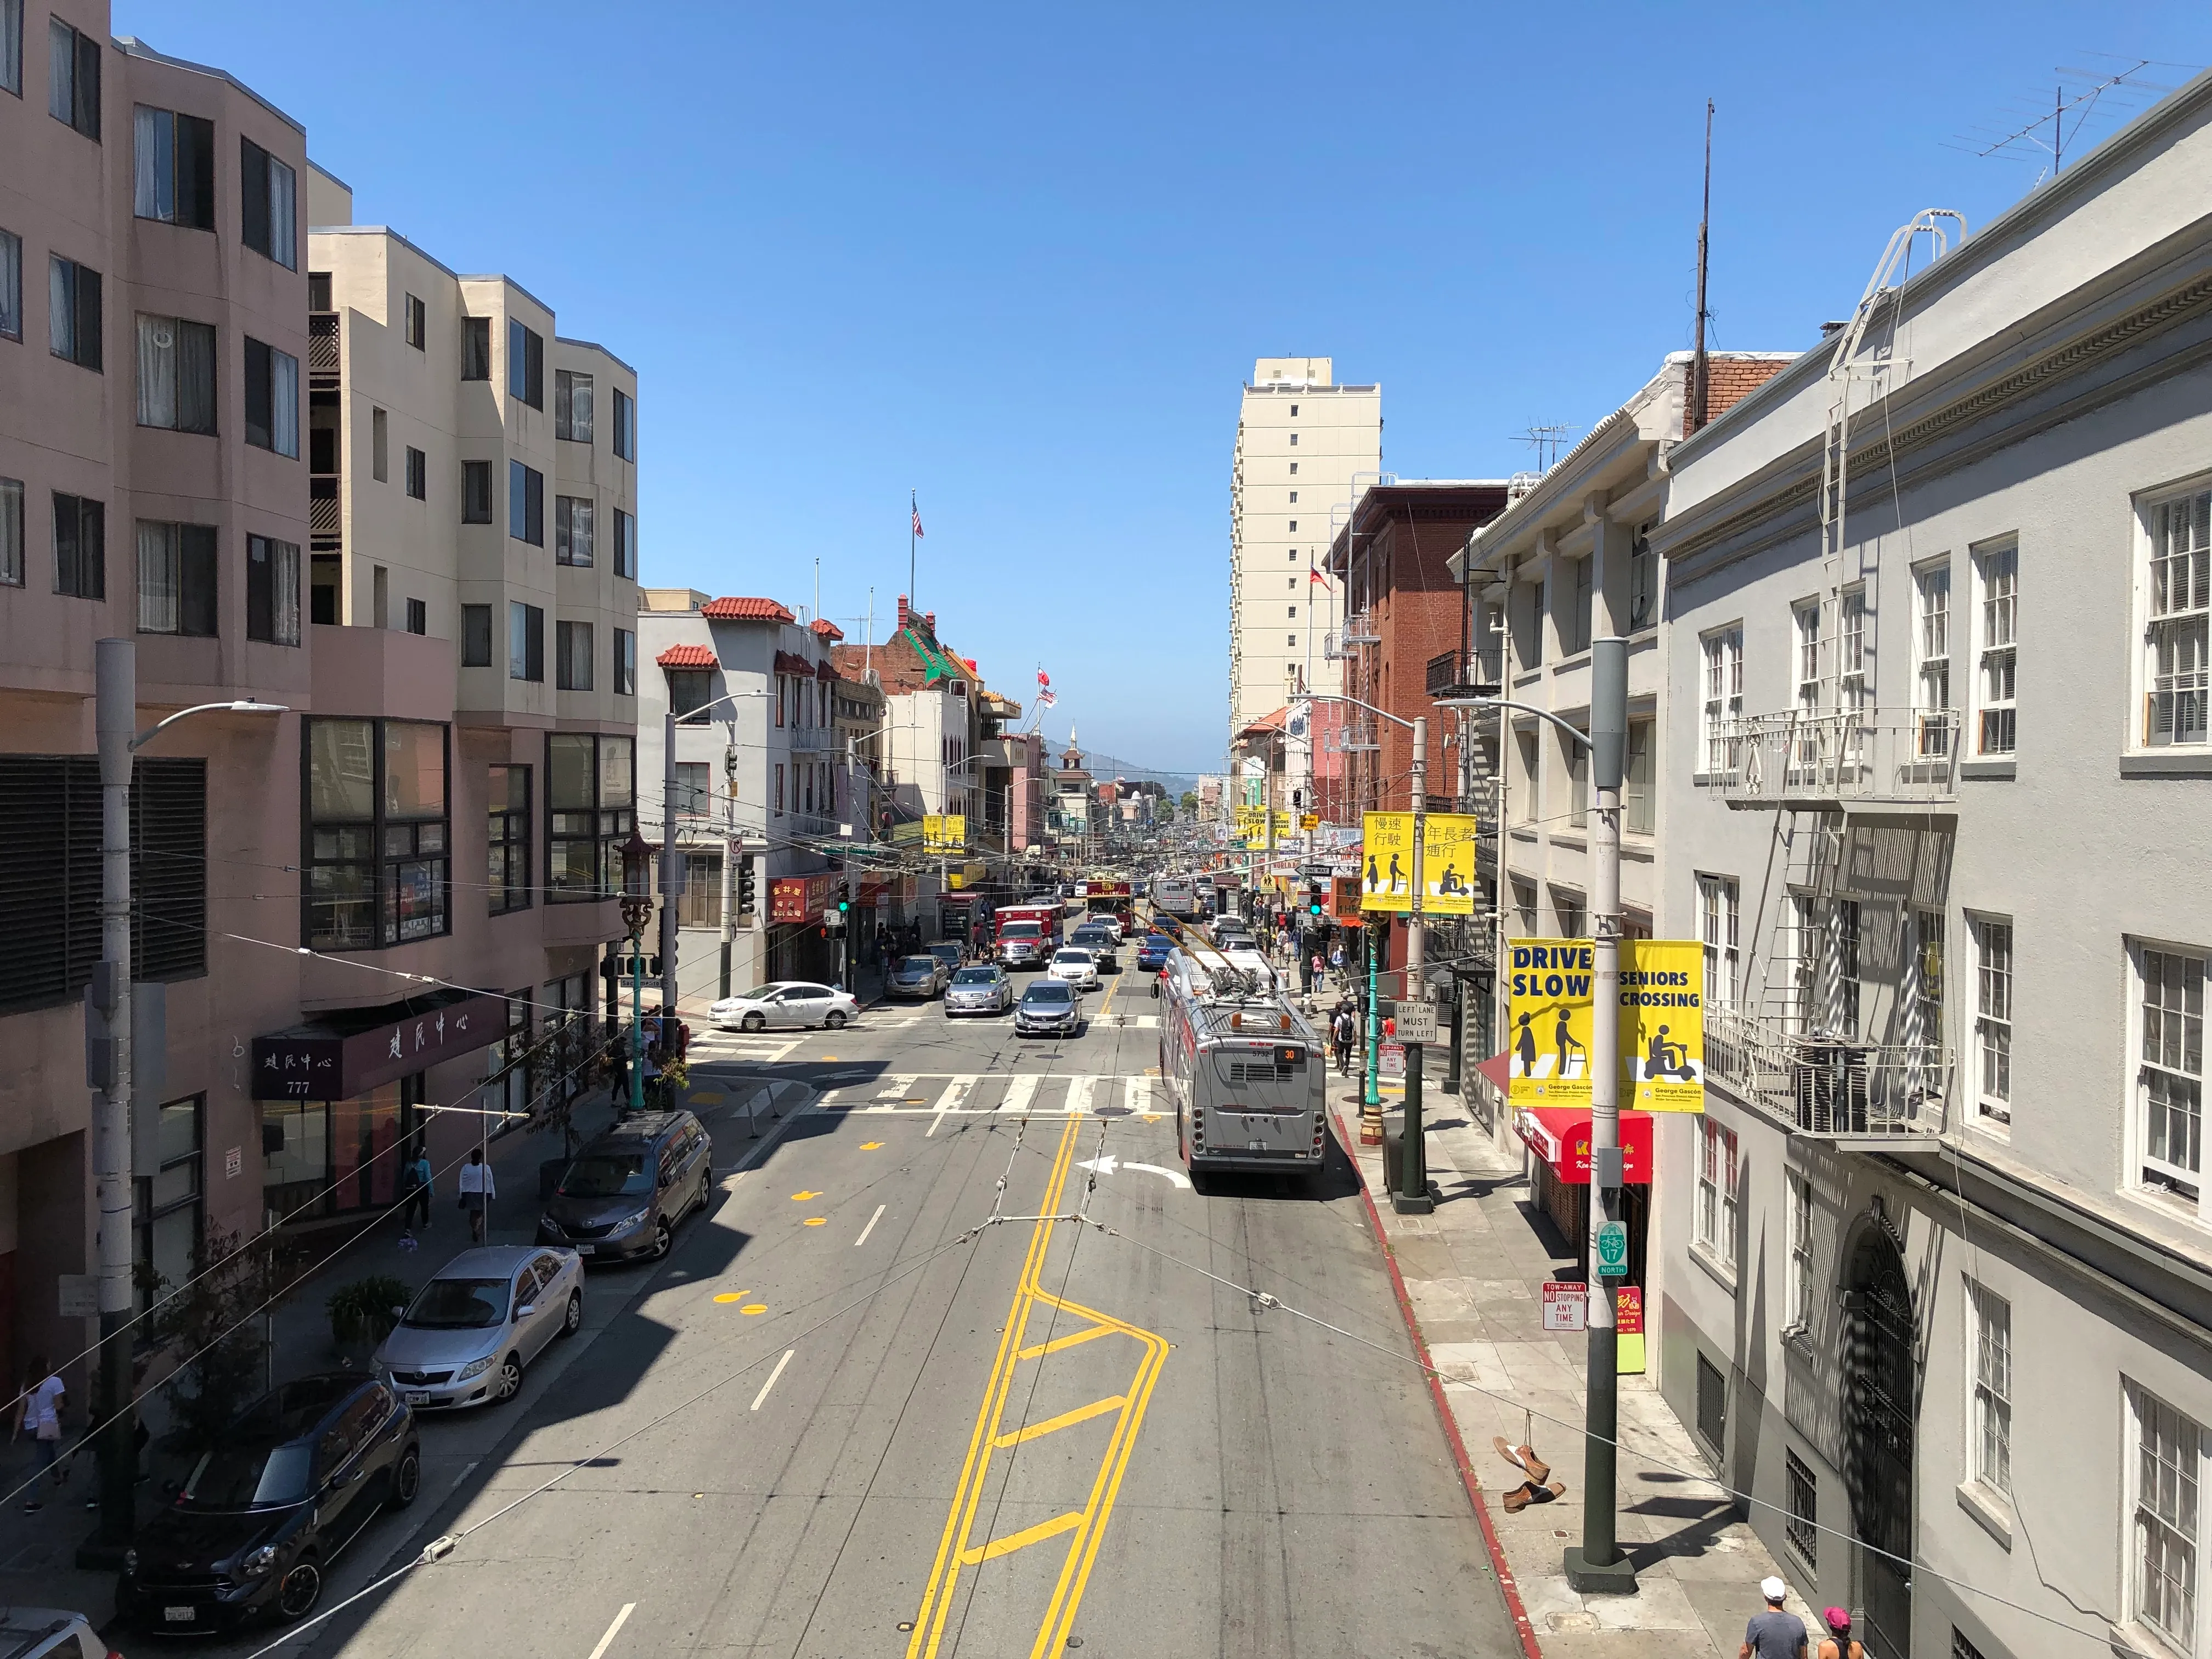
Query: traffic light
{"x": 1315, "y": 904}
{"x": 748, "y": 888}
{"x": 1298, "y": 799}
{"x": 844, "y": 904}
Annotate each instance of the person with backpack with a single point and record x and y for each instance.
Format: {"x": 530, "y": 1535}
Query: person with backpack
{"x": 1342, "y": 1031}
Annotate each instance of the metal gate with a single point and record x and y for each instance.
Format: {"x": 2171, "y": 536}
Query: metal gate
{"x": 1880, "y": 1392}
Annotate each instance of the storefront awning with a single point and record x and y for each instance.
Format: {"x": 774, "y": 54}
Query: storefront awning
{"x": 349, "y": 1051}
{"x": 1560, "y": 1135}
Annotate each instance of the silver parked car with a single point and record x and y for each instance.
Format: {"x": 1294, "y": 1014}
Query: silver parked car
{"x": 979, "y": 990}
{"x": 470, "y": 1331}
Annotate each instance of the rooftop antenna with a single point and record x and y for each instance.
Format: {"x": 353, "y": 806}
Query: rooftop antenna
{"x": 2050, "y": 132}
{"x": 1700, "y": 368}
{"x": 1548, "y": 442}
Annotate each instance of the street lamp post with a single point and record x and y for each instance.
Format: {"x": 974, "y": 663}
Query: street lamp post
{"x": 109, "y": 1068}
{"x": 636, "y": 910}
{"x": 672, "y": 856}
{"x": 1598, "y": 1564}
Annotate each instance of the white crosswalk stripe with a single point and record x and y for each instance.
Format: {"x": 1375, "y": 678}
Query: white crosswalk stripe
{"x": 988, "y": 1094}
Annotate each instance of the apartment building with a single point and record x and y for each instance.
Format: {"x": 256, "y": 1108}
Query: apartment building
{"x": 1305, "y": 447}
{"x": 1570, "y": 560}
{"x": 1936, "y": 775}
{"x": 765, "y": 790}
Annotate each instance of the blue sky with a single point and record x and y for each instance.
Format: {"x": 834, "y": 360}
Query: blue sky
{"x": 1020, "y": 259}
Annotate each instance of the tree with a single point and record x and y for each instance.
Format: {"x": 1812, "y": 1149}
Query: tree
{"x": 1190, "y": 802}
{"x": 212, "y": 1327}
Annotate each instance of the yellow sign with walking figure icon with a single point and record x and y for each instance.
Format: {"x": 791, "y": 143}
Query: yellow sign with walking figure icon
{"x": 1386, "y": 867}
{"x": 1663, "y": 1023}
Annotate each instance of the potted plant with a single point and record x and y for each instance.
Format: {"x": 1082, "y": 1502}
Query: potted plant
{"x": 363, "y": 1313}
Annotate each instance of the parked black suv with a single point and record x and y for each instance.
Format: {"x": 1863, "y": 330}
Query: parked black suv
{"x": 622, "y": 1195}
{"x": 255, "y": 1524}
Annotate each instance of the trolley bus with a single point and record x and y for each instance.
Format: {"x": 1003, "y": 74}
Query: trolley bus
{"x": 1175, "y": 896}
{"x": 1248, "y": 1074}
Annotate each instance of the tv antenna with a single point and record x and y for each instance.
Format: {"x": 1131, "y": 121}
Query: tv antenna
{"x": 2050, "y": 131}
{"x": 1548, "y": 442}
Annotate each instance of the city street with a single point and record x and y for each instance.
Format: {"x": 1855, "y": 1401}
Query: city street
{"x": 847, "y": 1416}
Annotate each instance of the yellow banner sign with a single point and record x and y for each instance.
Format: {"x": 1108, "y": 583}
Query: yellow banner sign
{"x": 1663, "y": 1023}
{"x": 1385, "y": 879}
{"x": 944, "y": 832}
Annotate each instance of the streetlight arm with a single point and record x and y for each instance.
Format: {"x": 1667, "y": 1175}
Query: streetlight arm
{"x": 1330, "y": 696}
{"x": 242, "y": 706}
{"x": 1582, "y": 738}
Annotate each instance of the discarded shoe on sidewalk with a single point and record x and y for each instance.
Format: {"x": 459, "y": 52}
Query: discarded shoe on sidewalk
{"x": 1524, "y": 1459}
{"x": 1529, "y": 1492}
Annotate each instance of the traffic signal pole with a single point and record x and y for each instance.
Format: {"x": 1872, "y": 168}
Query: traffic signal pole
{"x": 1411, "y": 1197}
{"x": 1599, "y": 1564}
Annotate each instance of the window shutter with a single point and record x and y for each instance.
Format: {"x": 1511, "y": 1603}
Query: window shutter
{"x": 169, "y": 861}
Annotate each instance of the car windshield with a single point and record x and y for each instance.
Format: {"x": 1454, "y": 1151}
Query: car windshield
{"x": 1019, "y": 930}
{"x": 246, "y": 1477}
{"x": 459, "y": 1304}
{"x": 1077, "y": 958}
{"x": 606, "y": 1175}
{"x": 976, "y": 976}
{"x": 918, "y": 965}
{"x": 1049, "y": 991}
{"x": 758, "y": 993}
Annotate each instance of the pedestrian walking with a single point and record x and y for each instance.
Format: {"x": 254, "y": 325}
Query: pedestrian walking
{"x": 478, "y": 1188}
{"x": 39, "y": 1415}
{"x": 1838, "y": 1642}
{"x": 1773, "y": 1634}
{"x": 420, "y": 1190}
{"x": 1319, "y": 970}
{"x": 1336, "y": 959}
{"x": 1341, "y": 1031}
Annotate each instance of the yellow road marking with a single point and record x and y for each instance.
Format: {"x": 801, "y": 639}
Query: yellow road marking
{"x": 871, "y": 1145}
{"x": 1057, "y": 1343}
{"x": 816, "y": 1221}
{"x": 734, "y": 1296}
{"x": 1065, "y": 1420}
{"x": 1087, "y": 1525}
{"x": 754, "y": 1308}
{"x": 801, "y": 1198}
{"x": 1023, "y": 1538}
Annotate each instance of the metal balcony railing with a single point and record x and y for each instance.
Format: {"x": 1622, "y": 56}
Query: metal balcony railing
{"x": 322, "y": 343}
{"x": 1352, "y": 738}
{"x": 1832, "y": 1087}
{"x": 323, "y": 512}
{"x": 1360, "y": 629}
{"x": 1455, "y": 676}
{"x": 815, "y": 740}
{"x": 1835, "y": 758}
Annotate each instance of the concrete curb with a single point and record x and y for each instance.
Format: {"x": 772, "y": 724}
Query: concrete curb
{"x": 1522, "y": 1623}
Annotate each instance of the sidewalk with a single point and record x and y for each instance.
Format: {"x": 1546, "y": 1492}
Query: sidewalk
{"x": 1472, "y": 1276}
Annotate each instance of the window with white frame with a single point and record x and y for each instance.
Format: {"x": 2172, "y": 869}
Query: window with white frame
{"x": 1574, "y": 626}
{"x": 1724, "y": 688}
{"x": 1854, "y": 685}
{"x": 1993, "y": 1018}
{"x": 2170, "y": 1076}
{"x": 1576, "y": 759}
{"x": 2177, "y": 667}
{"x": 2169, "y": 1449}
{"x": 1927, "y": 996}
{"x": 1800, "y": 956}
{"x": 1988, "y": 1367}
{"x": 1716, "y": 1158}
{"x": 1643, "y": 583}
{"x": 1844, "y": 995}
{"x": 1568, "y": 907}
{"x": 1716, "y": 928}
{"x": 1799, "y": 1192}
{"x": 1996, "y": 647}
{"x": 1931, "y": 678}
{"x": 1805, "y": 637}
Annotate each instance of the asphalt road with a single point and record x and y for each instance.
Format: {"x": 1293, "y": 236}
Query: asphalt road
{"x": 852, "y": 1414}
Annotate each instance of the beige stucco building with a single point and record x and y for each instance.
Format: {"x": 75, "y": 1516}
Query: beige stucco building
{"x": 1306, "y": 446}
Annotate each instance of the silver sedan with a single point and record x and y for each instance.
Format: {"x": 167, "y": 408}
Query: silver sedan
{"x": 470, "y": 1331}
{"x": 979, "y": 990}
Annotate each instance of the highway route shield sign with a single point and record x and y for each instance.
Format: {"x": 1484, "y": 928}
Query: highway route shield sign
{"x": 1613, "y": 1248}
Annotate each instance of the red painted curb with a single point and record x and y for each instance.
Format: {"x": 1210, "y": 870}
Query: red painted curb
{"x": 1497, "y": 1563}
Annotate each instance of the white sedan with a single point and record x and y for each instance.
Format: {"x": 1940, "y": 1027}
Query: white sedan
{"x": 1077, "y": 966}
{"x": 786, "y": 1002}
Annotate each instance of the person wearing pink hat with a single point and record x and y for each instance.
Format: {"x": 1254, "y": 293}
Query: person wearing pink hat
{"x": 1838, "y": 1642}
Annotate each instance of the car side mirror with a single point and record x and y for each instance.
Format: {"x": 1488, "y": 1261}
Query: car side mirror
{"x": 525, "y": 1311}
{"x": 398, "y": 1312}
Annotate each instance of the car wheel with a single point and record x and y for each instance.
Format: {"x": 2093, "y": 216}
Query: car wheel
{"x": 755, "y": 1021}
{"x": 663, "y": 1240}
{"x": 301, "y": 1587}
{"x": 406, "y": 1479}
{"x": 835, "y": 1019}
{"x": 572, "y": 1320}
{"x": 506, "y": 1381}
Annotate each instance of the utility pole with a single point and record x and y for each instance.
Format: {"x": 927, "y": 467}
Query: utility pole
{"x": 672, "y": 873}
{"x": 1599, "y": 1565}
{"x": 733, "y": 850}
{"x": 1700, "y": 369}
{"x": 1411, "y": 1197}
{"x": 115, "y": 719}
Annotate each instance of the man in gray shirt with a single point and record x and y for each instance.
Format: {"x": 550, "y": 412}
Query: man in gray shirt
{"x": 1773, "y": 1634}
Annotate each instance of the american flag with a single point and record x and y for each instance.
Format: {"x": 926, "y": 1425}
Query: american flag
{"x": 1046, "y": 700}
{"x": 917, "y": 521}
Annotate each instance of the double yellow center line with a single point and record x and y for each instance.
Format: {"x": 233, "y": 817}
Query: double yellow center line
{"x": 1084, "y": 1527}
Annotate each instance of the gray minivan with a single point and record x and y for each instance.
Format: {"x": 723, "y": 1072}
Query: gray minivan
{"x": 622, "y": 1195}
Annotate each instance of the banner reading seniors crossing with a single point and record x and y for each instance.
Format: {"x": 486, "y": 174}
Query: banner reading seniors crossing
{"x": 1663, "y": 1023}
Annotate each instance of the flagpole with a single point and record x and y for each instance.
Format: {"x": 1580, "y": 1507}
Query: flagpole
{"x": 912, "y": 518}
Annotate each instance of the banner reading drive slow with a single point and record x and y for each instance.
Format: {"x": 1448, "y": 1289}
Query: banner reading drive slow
{"x": 1663, "y": 1023}
{"x": 1386, "y": 869}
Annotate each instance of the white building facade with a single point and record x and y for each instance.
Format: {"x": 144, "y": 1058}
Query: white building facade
{"x": 1935, "y": 798}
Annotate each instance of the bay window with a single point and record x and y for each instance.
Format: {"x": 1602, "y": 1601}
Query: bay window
{"x": 590, "y": 799}
{"x": 176, "y": 374}
{"x": 176, "y": 578}
{"x": 378, "y": 834}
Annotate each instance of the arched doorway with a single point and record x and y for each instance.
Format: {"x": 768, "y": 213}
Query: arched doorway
{"x": 1881, "y": 1399}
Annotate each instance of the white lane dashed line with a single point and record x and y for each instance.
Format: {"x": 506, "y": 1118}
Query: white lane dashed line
{"x": 765, "y": 1387}
{"x": 607, "y": 1641}
{"x": 870, "y": 1227}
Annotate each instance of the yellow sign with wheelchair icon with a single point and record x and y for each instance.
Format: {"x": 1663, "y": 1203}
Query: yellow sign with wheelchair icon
{"x": 1663, "y": 1023}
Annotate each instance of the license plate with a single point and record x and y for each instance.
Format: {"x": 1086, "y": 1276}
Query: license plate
{"x": 418, "y": 1396}
{"x": 179, "y": 1615}
{"x": 587, "y": 1249}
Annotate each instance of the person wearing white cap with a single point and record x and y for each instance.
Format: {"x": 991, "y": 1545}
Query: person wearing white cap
{"x": 1773, "y": 1634}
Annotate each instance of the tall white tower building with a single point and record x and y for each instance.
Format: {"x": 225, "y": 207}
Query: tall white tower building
{"x": 1306, "y": 446}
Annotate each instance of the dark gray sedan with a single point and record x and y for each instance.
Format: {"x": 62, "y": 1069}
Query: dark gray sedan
{"x": 983, "y": 989}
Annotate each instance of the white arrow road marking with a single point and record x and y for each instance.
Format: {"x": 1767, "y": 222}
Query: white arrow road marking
{"x": 607, "y": 1641}
{"x": 1109, "y": 1164}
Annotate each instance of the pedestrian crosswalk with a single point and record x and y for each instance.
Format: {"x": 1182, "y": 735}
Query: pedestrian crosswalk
{"x": 999, "y": 1094}
{"x": 773, "y": 1046}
